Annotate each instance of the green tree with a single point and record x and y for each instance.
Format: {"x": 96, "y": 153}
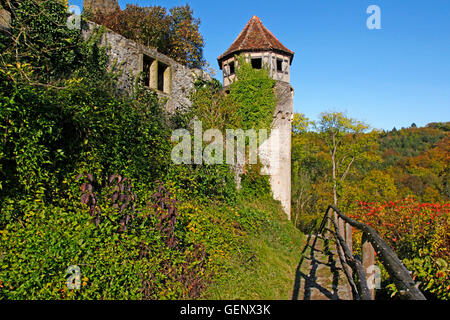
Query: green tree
{"x": 212, "y": 106}
{"x": 175, "y": 33}
{"x": 376, "y": 186}
{"x": 346, "y": 145}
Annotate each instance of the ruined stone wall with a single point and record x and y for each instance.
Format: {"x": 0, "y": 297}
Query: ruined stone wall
{"x": 128, "y": 56}
{"x": 275, "y": 153}
{"x": 5, "y": 19}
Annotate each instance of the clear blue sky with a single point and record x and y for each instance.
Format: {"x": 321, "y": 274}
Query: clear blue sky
{"x": 395, "y": 76}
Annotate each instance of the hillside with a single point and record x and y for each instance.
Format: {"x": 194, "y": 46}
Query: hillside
{"x": 395, "y": 181}
{"x": 410, "y": 162}
{"x": 92, "y": 205}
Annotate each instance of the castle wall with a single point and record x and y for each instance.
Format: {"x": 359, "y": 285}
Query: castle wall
{"x": 130, "y": 57}
{"x": 5, "y": 19}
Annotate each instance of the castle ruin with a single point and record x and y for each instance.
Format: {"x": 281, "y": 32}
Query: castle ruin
{"x": 174, "y": 82}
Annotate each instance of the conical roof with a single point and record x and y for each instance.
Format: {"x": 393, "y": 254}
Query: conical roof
{"x": 255, "y": 37}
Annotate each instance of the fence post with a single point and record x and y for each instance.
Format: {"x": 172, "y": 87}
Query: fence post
{"x": 349, "y": 240}
{"x": 341, "y": 227}
{"x": 329, "y": 217}
{"x": 349, "y": 236}
{"x": 368, "y": 257}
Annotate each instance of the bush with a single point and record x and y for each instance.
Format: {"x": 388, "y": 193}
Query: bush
{"x": 254, "y": 95}
{"x": 418, "y": 232}
{"x": 125, "y": 250}
{"x": 67, "y": 142}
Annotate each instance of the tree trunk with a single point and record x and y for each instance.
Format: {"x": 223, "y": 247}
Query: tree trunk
{"x": 333, "y": 159}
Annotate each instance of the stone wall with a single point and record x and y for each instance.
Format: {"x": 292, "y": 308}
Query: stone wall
{"x": 130, "y": 57}
{"x": 275, "y": 153}
{"x": 5, "y": 19}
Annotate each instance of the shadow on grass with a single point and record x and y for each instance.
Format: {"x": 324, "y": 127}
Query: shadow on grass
{"x": 311, "y": 280}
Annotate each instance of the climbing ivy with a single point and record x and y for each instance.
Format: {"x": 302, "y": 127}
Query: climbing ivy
{"x": 254, "y": 94}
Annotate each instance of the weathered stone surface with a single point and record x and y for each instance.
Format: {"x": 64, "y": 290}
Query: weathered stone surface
{"x": 5, "y": 19}
{"x": 275, "y": 153}
{"x": 128, "y": 56}
{"x": 320, "y": 275}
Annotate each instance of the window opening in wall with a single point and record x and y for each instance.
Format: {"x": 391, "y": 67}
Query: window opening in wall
{"x": 232, "y": 68}
{"x": 279, "y": 65}
{"x": 147, "y": 63}
{"x": 257, "y": 63}
{"x": 161, "y": 80}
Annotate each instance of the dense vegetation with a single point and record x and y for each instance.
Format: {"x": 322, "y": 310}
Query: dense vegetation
{"x": 86, "y": 180}
{"x": 396, "y": 181}
{"x": 86, "y": 177}
{"x": 174, "y": 33}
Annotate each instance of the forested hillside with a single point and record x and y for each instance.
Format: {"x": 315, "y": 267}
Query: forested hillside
{"x": 396, "y": 181}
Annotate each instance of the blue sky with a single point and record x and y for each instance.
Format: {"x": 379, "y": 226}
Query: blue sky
{"x": 391, "y": 77}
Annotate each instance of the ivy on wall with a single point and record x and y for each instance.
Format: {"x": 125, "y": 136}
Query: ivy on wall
{"x": 255, "y": 96}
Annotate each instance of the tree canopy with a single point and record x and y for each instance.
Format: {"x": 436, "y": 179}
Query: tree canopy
{"x": 174, "y": 32}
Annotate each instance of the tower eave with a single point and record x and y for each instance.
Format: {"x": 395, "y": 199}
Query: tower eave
{"x": 238, "y": 52}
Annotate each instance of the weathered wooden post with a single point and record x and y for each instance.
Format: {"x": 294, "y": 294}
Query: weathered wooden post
{"x": 341, "y": 227}
{"x": 349, "y": 236}
{"x": 329, "y": 217}
{"x": 368, "y": 257}
{"x": 349, "y": 240}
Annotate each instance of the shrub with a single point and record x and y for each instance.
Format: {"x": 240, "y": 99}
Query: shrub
{"x": 419, "y": 233}
{"x": 254, "y": 95}
{"x": 126, "y": 249}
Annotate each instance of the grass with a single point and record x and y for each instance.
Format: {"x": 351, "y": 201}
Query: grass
{"x": 264, "y": 267}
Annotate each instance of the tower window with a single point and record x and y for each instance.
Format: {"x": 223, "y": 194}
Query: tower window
{"x": 147, "y": 63}
{"x": 279, "y": 65}
{"x": 232, "y": 68}
{"x": 257, "y": 63}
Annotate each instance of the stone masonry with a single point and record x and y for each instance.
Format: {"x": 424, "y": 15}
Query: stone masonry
{"x": 263, "y": 50}
{"x": 168, "y": 78}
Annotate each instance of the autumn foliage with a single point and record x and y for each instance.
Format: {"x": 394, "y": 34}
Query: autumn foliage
{"x": 174, "y": 32}
{"x": 419, "y": 233}
{"x": 375, "y": 175}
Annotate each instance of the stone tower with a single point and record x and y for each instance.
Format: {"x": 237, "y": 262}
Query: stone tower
{"x": 263, "y": 49}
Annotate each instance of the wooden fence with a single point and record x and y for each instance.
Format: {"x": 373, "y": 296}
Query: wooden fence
{"x": 358, "y": 271}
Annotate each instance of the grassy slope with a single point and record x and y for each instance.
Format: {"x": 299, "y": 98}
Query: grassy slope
{"x": 263, "y": 267}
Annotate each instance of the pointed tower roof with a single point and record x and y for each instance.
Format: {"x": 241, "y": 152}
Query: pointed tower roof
{"x": 255, "y": 37}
